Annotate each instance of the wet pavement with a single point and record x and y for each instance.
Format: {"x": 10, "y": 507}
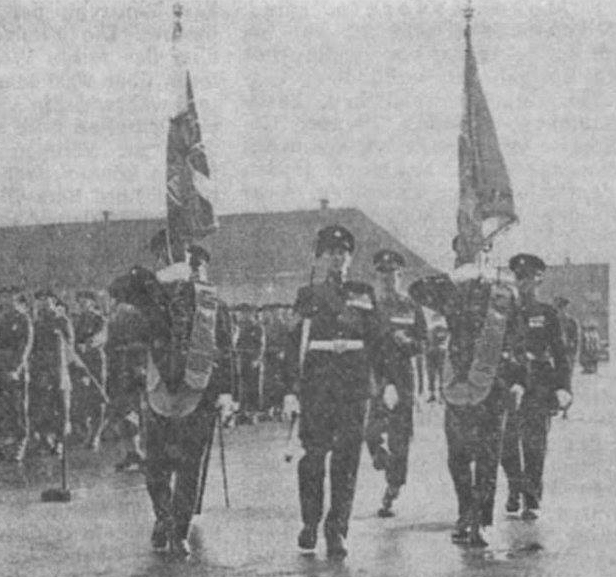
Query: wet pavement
{"x": 104, "y": 530}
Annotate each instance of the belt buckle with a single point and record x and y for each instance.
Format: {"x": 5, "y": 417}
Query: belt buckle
{"x": 338, "y": 346}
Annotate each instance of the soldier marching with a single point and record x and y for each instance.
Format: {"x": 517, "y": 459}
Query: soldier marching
{"x": 329, "y": 361}
{"x": 403, "y": 331}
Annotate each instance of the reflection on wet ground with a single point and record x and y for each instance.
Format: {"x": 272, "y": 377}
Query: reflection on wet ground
{"x": 104, "y": 530}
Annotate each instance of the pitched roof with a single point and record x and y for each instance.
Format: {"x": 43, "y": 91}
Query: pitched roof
{"x": 256, "y": 257}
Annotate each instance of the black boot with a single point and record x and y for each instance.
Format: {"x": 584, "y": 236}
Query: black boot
{"x": 391, "y": 493}
{"x": 513, "y": 502}
{"x": 461, "y": 532}
{"x": 307, "y": 539}
{"x": 160, "y": 535}
{"x": 180, "y": 547}
{"x": 336, "y": 548}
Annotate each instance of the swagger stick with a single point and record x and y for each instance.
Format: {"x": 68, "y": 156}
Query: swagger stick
{"x": 222, "y": 460}
{"x": 204, "y": 468}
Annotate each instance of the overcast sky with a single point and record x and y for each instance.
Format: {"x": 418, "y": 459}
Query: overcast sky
{"x": 355, "y": 100}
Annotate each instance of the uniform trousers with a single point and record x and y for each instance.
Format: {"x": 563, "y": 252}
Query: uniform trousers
{"x": 178, "y": 446}
{"x": 88, "y": 406}
{"x": 526, "y": 437}
{"x": 397, "y": 424}
{"x": 14, "y": 421}
{"x": 331, "y": 420}
{"x": 45, "y": 394}
{"x": 474, "y": 435}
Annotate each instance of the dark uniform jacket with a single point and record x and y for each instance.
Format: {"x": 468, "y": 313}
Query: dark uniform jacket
{"x": 341, "y": 314}
{"x": 394, "y": 366}
{"x": 251, "y": 340}
{"x": 540, "y": 349}
{"x": 15, "y": 338}
{"x": 45, "y": 338}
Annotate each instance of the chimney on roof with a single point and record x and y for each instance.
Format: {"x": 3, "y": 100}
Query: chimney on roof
{"x": 324, "y": 203}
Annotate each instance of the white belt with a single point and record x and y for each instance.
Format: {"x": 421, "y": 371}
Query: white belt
{"x": 336, "y": 345}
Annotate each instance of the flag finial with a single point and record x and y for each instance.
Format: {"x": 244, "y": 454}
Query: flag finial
{"x": 177, "y": 21}
{"x": 468, "y": 12}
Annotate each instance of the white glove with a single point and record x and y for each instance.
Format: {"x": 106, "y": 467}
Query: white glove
{"x": 390, "y": 396}
{"x": 290, "y": 405}
{"x": 225, "y": 406}
{"x": 564, "y": 398}
{"x": 518, "y": 391}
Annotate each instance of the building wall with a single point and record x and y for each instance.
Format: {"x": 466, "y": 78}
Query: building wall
{"x": 587, "y": 286}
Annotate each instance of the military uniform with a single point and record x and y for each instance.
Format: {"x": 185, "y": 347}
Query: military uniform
{"x": 16, "y": 336}
{"x": 329, "y": 361}
{"x": 250, "y": 347}
{"x": 435, "y": 359}
{"x": 90, "y": 340}
{"x": 473, "y": 418}
{"x": 50, "y": 384}
{"x": 276, "y": 335}
{"x": 402, "y": 332}
{"x": 541, "y": 350}
{"x": 189, "y": 365}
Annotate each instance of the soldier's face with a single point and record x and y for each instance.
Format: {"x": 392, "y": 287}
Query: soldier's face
{"x": 337, "y": 260}
{"x": 529, "y": 284}
{"x": 390, "y": 279}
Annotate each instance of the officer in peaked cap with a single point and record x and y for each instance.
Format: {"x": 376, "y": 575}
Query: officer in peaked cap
{"x": 334, "y": 237}
{"x": 527, "y": 266}
{"x": 329, "y": 359}
{"x": 541, "y": 350}
{"x": 403, "y": 327}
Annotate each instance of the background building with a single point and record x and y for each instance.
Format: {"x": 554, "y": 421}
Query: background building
{"x": 587, "y": 286}
{"x": 256, "y": 257}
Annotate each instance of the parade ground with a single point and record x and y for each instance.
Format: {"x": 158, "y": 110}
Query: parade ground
{"x": 105, "y": 529}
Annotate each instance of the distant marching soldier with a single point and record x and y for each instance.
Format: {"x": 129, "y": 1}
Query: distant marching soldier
{"x": 479, "y": 376}
{"x": 276, "y": 335}
{"x": 403, "y": 328}
{"x": 250, "y": 349}
{"x": 541, "y": 349}
{"x": 50, "y": 387}
{"x": 570, "y": 329}
{"x": 90, "y": 340}
{"x": 330, "y": 357}
{"x": 16, "y": 336}
{"x": 189, "y": 377}
{"x": 436, "y": 354}
{"x": 590, "y": 347}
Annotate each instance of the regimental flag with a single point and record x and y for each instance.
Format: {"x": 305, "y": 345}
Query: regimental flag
{"x": 485, "y": 191}
{"x": 190, "y": 216}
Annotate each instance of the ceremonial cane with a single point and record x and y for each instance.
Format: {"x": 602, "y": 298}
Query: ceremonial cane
{"x": 204, "y": 468}
{"x": 222, "y": 461}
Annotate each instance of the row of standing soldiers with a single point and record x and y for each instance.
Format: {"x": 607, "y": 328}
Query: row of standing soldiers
{"x": 63, "y": 373}
{"x": 40, "y": 356}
